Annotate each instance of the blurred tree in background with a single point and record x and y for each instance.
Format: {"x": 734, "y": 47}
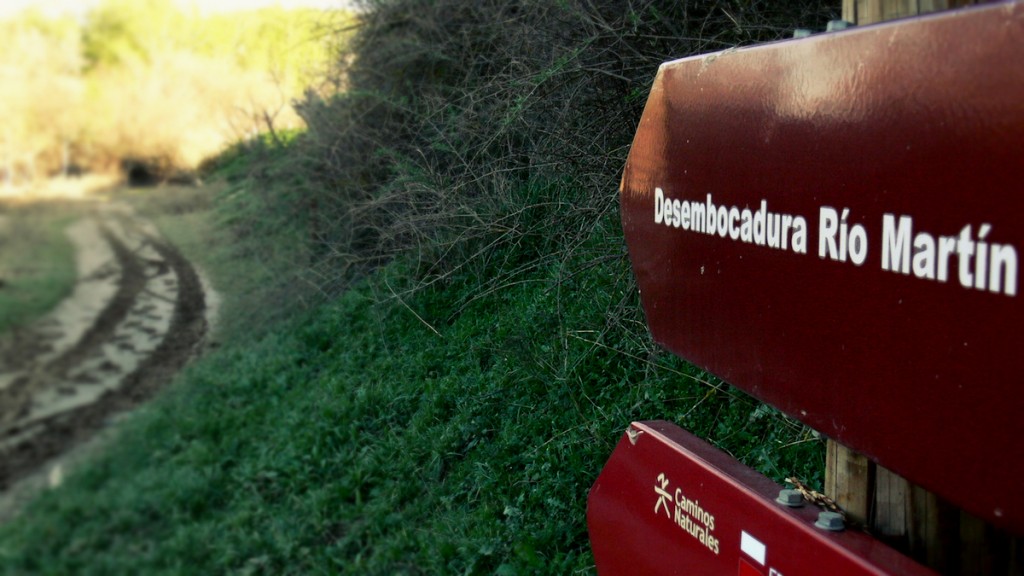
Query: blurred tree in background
{"x": 130, "y": 32}
{"x": 40, "y": 83}
{"x": 145, "y": 81}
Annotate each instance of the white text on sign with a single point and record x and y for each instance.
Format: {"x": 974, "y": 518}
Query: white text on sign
{"x": 967, "y": 255}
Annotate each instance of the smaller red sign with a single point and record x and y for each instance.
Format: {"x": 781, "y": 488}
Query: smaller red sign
{"x": 669, "y": 503}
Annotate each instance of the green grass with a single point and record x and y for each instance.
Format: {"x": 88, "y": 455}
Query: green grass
{"x": 454, "y": 430}
{"x": 37, "y": 261}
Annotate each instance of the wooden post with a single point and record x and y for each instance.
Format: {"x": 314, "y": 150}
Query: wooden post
{"x": 925, "y": 540}
{"x": 893, "y": 508}
{"x": 848, "y": 481}
{"x": 870, "y": 11}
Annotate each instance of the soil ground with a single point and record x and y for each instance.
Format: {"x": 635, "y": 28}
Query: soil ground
{"x": 137, "y": 314}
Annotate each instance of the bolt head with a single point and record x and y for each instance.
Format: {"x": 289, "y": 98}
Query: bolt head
{"x": 802, "y": 33}
{"x": 791, "y": 498}
{"x": 836, "y": 25}
{"x": 830, "y": 521}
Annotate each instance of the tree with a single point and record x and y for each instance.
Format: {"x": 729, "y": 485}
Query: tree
{"x": 40, "y": 91}
{"x": 130, "y": 32}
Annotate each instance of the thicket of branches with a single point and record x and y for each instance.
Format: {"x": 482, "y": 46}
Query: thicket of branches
{"x": 498, "y": 121}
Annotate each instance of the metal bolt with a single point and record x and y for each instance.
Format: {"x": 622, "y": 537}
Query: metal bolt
{"x": 836, "y": 25}
{"x": 802, "y": 33}
{"x": 791, "y": 498}
{"x": 830, "y": 521}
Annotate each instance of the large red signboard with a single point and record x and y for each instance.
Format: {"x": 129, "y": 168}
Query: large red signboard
{"x": 669, "y": 503}
{"x": 835, "y": 226}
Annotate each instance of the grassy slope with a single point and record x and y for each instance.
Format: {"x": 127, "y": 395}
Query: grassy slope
{"x": 454, "y": 430}
{"x": 37, "y": 262}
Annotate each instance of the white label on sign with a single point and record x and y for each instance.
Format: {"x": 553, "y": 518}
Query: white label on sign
{"x": 753, "y": 547}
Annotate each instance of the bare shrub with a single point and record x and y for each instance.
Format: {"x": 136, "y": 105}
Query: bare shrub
{"x": 459, "y": 111}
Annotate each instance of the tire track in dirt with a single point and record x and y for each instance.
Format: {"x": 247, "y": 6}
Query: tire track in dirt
{"x": 53, "y": 393}
{"x": 20, "y": 391}
{"x": 132, "y": 282}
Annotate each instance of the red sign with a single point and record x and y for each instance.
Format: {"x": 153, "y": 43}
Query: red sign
{"x": 834, "y": 225}
{"x": 669, "y": 503}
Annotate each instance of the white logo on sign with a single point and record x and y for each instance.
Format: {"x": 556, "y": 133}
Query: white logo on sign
{"x": 664, "y": 498}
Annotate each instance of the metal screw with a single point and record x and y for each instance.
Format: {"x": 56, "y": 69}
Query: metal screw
{"x": 791, "y": 498}
{"x": 802, "y": 33}
{"x": 830, "y": 521}
{"x": 836, "y": 25}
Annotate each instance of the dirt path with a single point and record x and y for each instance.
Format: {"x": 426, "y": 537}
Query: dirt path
{"x": 136, "y": 316}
